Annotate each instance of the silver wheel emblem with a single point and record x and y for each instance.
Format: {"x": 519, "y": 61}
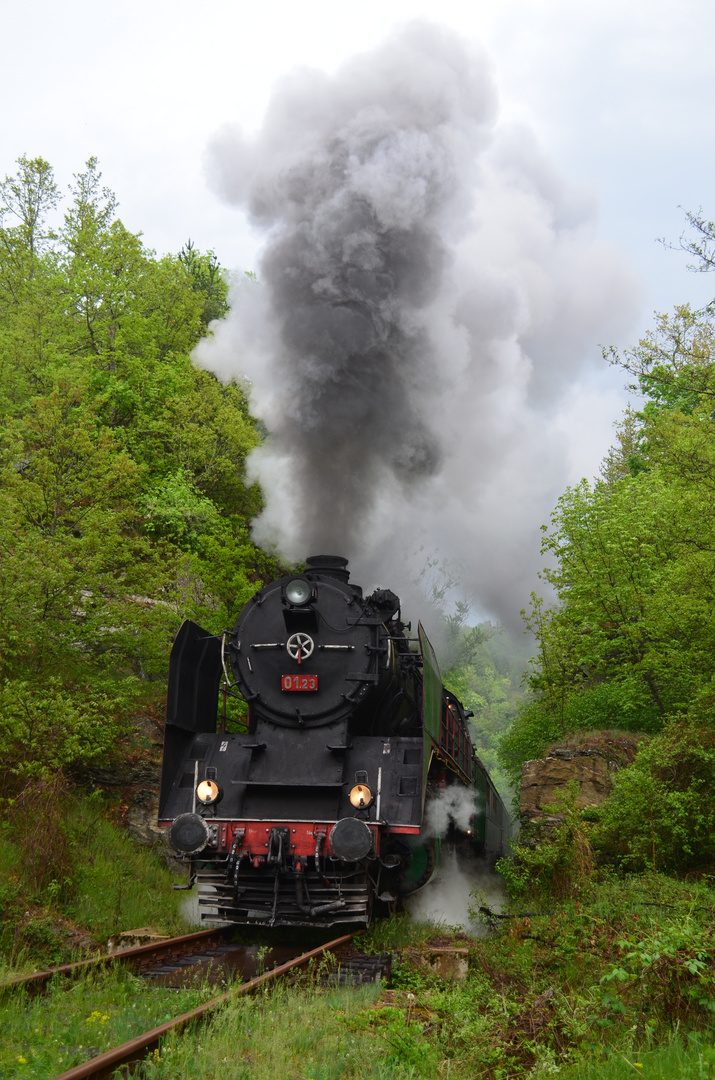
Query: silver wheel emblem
{"x": 300, "y": 646}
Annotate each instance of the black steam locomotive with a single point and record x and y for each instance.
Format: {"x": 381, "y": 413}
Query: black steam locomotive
{"x": 317, "y": 808}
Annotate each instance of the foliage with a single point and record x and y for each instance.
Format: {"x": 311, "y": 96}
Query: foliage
{"x": 208, "y": 280}
{"x": 118, "y": 884}
{"x": 123, "y": 501}
{"x": 660, "y": 814}
{"x": 391, "y": 934}
{"x": 539, "y": 998}
{"x": 622, "y": 973}
{"x": 176, "y": 510}
{"x": 632, "y": 562}
{"x": 486, "y": 674}
{"x": 553, "y": 860}
{"x": 667, "y": 976}
{"x": 65, "y": 864}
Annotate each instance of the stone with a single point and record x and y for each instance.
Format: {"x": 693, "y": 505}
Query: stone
{"x": 591, "y": 766}
{"x": 130, "y": 939}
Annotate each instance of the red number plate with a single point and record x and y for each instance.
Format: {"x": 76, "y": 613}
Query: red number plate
{"x": 299, "y": 682}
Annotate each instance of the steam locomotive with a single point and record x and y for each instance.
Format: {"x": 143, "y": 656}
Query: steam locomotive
{"x": 316, "y": 811}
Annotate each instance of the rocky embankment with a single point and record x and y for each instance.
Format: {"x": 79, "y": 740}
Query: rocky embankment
{"x": 586, "y": 768}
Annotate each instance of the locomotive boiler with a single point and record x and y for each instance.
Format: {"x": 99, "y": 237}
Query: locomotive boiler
{"x": 316, "y": 810}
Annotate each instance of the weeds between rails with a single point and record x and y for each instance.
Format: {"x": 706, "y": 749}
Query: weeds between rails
{"x": 601, "y": 986}
{"x": 106, "y": 1052}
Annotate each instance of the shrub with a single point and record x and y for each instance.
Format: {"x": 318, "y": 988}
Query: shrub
{"x": 551, "y": 860}
{"x": 661, "y": 812}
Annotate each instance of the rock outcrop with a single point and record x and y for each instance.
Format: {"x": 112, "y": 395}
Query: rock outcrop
{"x": 590, "y": 766}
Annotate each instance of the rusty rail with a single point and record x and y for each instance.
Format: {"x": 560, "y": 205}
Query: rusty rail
{"x": 137, "y": 1049}
{"x": 168, "y": 946}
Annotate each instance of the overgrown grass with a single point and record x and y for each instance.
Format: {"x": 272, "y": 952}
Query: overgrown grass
{"x": 691, "y": 1058}
{"x": 290, "y": 1033}
{"x": 601, "y": 976}
{"x": 119, "y": 885}
{"x": 617, "y": 982}
{"x": 105, "y": 883}
{"x": 45, "y": 1035}
{"x": 393, "y": 934}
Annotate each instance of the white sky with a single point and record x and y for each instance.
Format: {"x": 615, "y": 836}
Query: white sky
{"x": 619, "y": 93}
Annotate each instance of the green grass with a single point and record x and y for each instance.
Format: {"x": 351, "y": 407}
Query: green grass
{"x": 691, "y": 1058}
{"x": 395, "y": 933}
{"x": 43, "y": 1036}
{"x": 295, "y": 1033}
{"x": 107, "y": 883}
{"x": 118, "y": 885}
{"x": 534, "y": 1004}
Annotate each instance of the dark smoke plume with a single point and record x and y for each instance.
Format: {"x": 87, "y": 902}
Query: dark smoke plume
{"x": 402, "y": 343}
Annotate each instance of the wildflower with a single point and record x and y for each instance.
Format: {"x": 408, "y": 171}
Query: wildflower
{"x": 22, "y": 1060}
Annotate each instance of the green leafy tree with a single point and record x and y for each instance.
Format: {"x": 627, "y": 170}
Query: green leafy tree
{"x": 486, "y": 676}
{"x": 661, "y": 815}
{"x": 29, "y": 314}
{"x": 123, "y": 501}
{"x": 208, "y": 279}
{"x": 27, "y": 198}
{"x": 632, "y": 562}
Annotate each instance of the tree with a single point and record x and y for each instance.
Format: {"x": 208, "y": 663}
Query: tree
{"x": 208, "y": 280}
{"x": 28, "y": 197}
{"x": 701, "y": 243}
{"x": 631, "y": 640}
{"x": 28, "y": 281}
{"x": 486, "y": 676}
{"x": 123, "y": 501}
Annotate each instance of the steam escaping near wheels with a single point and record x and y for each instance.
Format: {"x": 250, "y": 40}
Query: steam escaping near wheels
{"x": 456, "y": 892}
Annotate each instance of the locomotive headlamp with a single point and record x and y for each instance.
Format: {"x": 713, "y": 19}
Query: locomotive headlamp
{"x": 298, "y": 592}
{"x": 360, "y": 796}
{"x": 207, "y": 792}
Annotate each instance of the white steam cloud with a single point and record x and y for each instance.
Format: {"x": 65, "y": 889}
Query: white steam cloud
{"x": 456, "y": 890}
{"x": 429, "y": 292}
{"x": 455, "y": 805}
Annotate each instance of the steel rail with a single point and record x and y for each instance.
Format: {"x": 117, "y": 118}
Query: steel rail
{"x": 137, "y": 1049}
{"x": 138, "y": 952}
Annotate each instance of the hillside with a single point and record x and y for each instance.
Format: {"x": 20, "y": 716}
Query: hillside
{"x": 125, "y": 508}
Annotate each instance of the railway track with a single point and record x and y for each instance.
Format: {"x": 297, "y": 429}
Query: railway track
{"x": 104, "y": 1065}
{"x": 156, "y": 957}
{"x": 196, "y": 959}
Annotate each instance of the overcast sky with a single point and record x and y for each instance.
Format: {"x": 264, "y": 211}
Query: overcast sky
{"x": 619, "y": 94}
{"x": 618, "y": 91}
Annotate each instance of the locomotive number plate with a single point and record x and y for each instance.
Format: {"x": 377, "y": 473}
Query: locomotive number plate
{"x": 299, "y": 682}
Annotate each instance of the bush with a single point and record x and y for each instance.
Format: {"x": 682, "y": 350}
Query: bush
{"x": 36, "y": 817}
{"x": 551, "y": 860}
{"x": 661, "y": 814}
